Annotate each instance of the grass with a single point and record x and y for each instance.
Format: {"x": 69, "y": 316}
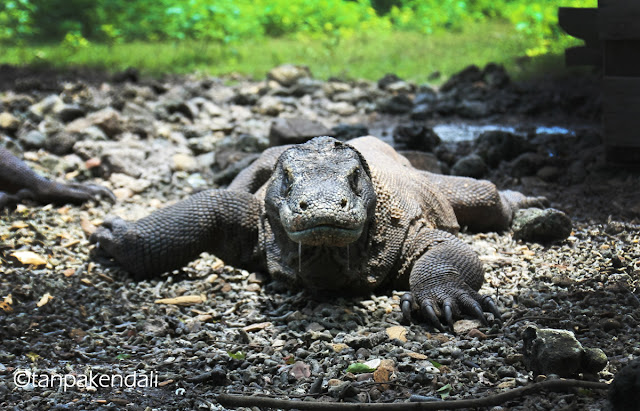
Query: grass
{"x": 369, "y": 56}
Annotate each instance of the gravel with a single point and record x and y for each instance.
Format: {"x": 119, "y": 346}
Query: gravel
{"x": 157, "y": 141}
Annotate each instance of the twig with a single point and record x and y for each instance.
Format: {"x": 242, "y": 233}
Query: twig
{"x": 488, "y": 401}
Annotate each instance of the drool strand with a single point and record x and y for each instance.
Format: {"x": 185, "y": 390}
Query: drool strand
{"x": 299, "y": 257}
{"x": 348, "y": 259}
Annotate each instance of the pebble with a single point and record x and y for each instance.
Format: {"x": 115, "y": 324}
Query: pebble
{"x": 8, "y": 122}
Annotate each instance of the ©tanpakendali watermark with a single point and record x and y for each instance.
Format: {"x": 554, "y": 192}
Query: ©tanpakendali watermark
{"x": 23, "y": 378}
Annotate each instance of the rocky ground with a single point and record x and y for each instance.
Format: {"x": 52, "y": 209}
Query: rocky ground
{"x": 225, "y": 330}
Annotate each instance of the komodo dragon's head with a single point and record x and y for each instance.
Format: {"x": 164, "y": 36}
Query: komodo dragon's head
{"x": 321, "y": 193}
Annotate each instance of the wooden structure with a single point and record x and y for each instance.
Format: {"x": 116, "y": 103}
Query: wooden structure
{"x": 612, "y": 41}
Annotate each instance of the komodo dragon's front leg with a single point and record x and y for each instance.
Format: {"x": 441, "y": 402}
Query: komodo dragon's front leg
{"x": 225, "y": 223}
{"x": 19, "y": 182}
{"x": 445, "y": 280}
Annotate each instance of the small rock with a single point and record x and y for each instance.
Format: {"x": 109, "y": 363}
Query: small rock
{"x": 416, "y": 137}
{"x": 45, "y": 106}
{"x": 388, "y": 79}
{"x": 475, "y": 333}
{"x": 269, "y": 106}
{"x": 399, "y": 104}
{"x": 108, "y": 120}
{"x": 549, "y": 173}
{"x": 122, "y": 161}
{"x": 184, "y": 162}
{"x": 469, "y": 166}
{"x": 352, "y": 96}
{"x": 534, "y": 224}
{"x": 60, "y": 143}
{"x": 32, "y": 139}
{"x": 495, "y": 75}
{"x": 526, "y": 164}
{"x": 341, "y": 107}
{"x": 594, "y": 360}
{"x": 473, "y": 109}
{"x": 122, "y": 193}
{"x": 507, "y": 371}
{"x": 92, "y": 133}
{"x": 399, "y": 87}
{"x": 368, "y": 341}
{"x": 462, "y": 327}
{"x": 295, "y": 131}
{"x": 288, "y": 74}
{"x": 610, "y": 324}
{"x": 331, "y": 88}
{"x": 468, "y": 75}
{"x": 425, "y": 95}
{"x": 349, "y": 131}
{"x": 68, "y": 112}
{"x": 551, "y": 351}
{"x": 422, "y": 111}
{"x": 136, "y": 185}
{"x": 8, "y": 122}
{"x": 497, "y": 145}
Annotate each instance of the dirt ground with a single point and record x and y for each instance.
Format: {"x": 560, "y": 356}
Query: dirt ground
{"x": 76, "y": 332}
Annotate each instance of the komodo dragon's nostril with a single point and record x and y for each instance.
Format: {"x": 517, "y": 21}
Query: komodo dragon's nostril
{"x": 303, "y": 205}
{"x": 344, "y": 203}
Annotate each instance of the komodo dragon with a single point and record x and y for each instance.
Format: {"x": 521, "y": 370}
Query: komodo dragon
{"x": 330, "y": 216}
{"x": 19, "y": 182}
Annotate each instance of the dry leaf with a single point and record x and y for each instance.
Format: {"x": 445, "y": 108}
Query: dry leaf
{"x": 18, "y": 225}
{"x": 339, "y": 347}
{"x": 300, "y": 370}
{"x": 384, "y": 373}
{"x": 69, "y": 272}
{"x": 417, "y": 356}
{"x": 6, "y": 304}
{"x": 77, "y": 334}
{"x": 70, "y": 243}
{"x": 183, "y": 300}
{"x": 256, "y": 326}
{"x": 86, "y": 281}
{"x": 373, "y": 364}
{"x": 398, "y": 332}
{"x": 29, "y": 258}
{"x": 105, "y": 277}
{"x": 87, "y": 226}
{"x": 44, "y": 299}
{"x": 32, "y": 356}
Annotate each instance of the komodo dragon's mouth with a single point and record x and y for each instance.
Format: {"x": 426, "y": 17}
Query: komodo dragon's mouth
{"x": 326, "y": 234}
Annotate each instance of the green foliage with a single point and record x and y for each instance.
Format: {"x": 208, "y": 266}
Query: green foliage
{"x": 368, "y": 55}
{"x": 230, "y": 22}
{"x": 359, "y": 368}
{"x": 16, "y": 20}
{"x": 238, "y": 355}
{"x": 445, "y": 391}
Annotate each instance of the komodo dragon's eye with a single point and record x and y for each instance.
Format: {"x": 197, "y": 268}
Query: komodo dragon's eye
{"x": 287, "y": 179}
{"x": 354, "y": 180}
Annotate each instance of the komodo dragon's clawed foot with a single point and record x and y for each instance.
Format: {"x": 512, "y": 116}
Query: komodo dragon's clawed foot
{"x": 448, "y": 306}
{"x": 517, "y": 200}
{"x": 109, "y": 238}
{"x": 83, "y": 192}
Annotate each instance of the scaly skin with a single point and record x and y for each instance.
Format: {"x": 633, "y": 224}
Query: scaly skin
{"x": 329, "y": 216}
{"x": 18, "y": 182}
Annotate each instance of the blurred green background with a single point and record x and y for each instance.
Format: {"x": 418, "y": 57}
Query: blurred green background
{"x": 353, "y": 39}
